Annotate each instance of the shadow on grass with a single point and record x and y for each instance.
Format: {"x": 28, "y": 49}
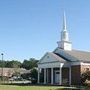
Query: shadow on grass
{"x": 18, "y": 84}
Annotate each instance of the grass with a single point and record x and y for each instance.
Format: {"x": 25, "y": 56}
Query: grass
{"x": 15, "y": 87}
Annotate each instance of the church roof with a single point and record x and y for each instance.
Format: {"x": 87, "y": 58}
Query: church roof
{"x": 73, "y": 55}
{"x": 57, "y": 57}
{"x": 51, "y": 57}
{"x": 80, "y": 55}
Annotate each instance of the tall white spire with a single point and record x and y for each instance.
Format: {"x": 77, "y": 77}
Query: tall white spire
{"x": 64, "y": 32}
{"x": 64, "y": 22}
{"x": 65, "y": 43}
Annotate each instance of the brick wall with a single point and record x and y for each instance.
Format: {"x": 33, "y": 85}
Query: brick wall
{"x": 85, "y": 68}
{"x": 75, "y": 74}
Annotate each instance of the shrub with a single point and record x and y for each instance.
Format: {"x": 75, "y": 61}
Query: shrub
{"x": 85, "y": 76}
{"x": 34, "y": 76}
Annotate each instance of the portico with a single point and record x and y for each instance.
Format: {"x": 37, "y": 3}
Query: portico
{"x": 52, "y": 71}
{"x": 55, "y": 77}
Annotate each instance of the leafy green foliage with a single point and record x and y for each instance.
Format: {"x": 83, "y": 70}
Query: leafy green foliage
{"x": 34, "y": 76}
{"x": 10, "y": 64}
{"x": 29, "y": 64}
{"x": 3, "y": 63}
{"x": 13, "y": 64}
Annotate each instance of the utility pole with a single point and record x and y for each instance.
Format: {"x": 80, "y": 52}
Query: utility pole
{"x": 2, "y": 66}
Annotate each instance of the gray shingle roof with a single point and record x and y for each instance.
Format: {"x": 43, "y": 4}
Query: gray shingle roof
{"x": 80, "y": 55}
{"x": 77, "y": 55}
{"x": 57, "y": 57}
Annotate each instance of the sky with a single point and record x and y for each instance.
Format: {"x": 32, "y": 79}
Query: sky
{"x": 30, "y": 28}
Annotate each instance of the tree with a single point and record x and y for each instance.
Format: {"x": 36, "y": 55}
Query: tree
{"x": 29, "y": 64}
{"x": 13, "y": 64}
{"x": 34, "y": 75}
{"x": 3, "y": 63}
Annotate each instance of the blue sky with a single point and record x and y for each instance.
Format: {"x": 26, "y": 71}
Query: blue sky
{"x": 30, "y": 28}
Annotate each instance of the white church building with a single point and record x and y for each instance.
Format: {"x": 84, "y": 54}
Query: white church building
{"x": 63, "y": 66}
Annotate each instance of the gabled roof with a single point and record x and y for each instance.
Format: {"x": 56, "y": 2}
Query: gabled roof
{"x": 57, "y": 57}
{"x": 74, "y": 55}
{"x": 51, "y": 57}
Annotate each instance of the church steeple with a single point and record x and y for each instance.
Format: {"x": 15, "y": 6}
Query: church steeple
{"x": 64, "y": 33}
{"x": 64, "y": 21}
{"x": 65, "y": 42}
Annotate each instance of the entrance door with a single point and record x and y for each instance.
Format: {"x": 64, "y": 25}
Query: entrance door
{"x": 57, "y": 75}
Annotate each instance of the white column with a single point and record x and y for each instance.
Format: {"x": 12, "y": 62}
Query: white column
{"x": 44, "y": 75}
{"x": 38, "y": 75}
{"x": 60, "y": 83}
{"x": 51, "y": 75}
{"x": 70, "y": 75}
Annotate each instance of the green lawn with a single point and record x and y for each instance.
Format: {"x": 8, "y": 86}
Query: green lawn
{"x": 13, "y": 87}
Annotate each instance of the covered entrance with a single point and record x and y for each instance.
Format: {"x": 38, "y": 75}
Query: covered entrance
{"x": 53, "y": 71}
{"x": 57, "y": 77}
